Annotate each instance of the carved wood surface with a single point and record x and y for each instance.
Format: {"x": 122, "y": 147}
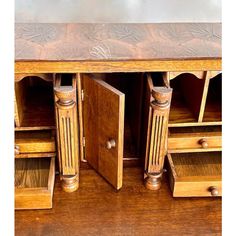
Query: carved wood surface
{"x": 85, "y": 42}
{"x": 67, "y": 133}
{"x": 157, "y": 131}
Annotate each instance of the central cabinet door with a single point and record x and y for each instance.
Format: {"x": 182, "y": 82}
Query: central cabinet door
{"x": 103, "y": 119}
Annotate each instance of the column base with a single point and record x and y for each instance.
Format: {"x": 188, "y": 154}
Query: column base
{"x": 153, "y": 181}
{"x": 69, "y": 183}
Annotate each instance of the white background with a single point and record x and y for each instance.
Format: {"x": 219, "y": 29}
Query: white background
{"x": 118, "y": 11}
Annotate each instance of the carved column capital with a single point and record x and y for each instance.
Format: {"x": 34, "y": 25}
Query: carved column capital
{"x": 162, "y": 97}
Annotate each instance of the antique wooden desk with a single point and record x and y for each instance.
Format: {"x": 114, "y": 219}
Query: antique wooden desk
{"x": 104, "y": 93}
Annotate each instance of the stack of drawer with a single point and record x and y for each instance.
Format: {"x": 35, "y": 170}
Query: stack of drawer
{"x": 194, "y": 136}
{"x": 35, "y": 147}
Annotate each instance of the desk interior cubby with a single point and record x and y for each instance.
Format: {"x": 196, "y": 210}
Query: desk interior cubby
{"x": 186, "y": 99}
{"x": 34, "y": 103}
{"x": 213, "y": 106}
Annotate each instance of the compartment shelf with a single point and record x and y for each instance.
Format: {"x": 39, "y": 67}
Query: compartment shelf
{"x": 186, "y": 99}
{"x": 34, "y": 104}
{"x": 213, "y": 107}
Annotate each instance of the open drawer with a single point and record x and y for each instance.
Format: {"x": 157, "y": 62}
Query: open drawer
{"x": 34, "y": 182}
{"x": 194, "y": 139}
{"x": 195, "y": 174}
{"x": 28, "y": 143}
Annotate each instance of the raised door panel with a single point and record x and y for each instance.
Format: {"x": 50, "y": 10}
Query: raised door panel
{"x": 103, "y": 117}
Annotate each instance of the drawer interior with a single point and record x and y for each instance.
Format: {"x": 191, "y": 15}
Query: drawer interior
{"x": 193, "y": 174}
{"x": 34, "y": 182}
{"x": 194, "y": 129}
{"x": 197, "y": 164}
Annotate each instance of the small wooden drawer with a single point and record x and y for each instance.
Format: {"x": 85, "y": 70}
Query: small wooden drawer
{"x": 195, "y": 174}
{"x": 29, "y": 142}
{"x": 34, "y": 182}
{"x": 194, "y": 139}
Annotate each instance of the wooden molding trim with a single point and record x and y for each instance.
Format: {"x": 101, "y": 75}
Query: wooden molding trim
{"x": 116, "y": 66}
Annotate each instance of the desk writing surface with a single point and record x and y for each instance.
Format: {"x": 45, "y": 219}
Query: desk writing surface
{"x": 117, "y": 41}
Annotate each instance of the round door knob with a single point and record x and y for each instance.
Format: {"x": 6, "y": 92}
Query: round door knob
{"x": 204, "y": 143}
{"x": 17, "y": 149}
{"x": 214, "y": 191}
{"x": 111, "y": 143}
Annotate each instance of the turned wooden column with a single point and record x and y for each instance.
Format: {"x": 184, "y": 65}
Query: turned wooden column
{"x": 67, "y": 134}
{"x": 157, "y": 136}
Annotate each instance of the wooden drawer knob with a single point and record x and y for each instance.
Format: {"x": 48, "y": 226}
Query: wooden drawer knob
{"x": 214, "y": 191}
{"x": 204, "y": 143}
{"x": 111, "y": 143}
{"x": 17, "y": 149}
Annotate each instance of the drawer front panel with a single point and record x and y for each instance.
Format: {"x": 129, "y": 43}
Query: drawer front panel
{"x": 34, "y": 142}
{"x": 197, "y": 188}
{"x": 195, "y": 174}
{"x": 194, "y": 141}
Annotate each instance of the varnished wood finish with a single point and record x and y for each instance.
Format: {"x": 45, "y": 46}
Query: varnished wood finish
{"x": 197, "y": 139}
{"x": 194, "y": 174}
{"x": 67, "y": 131}
{"x": 87, "y": 42}
{"x": 116, "y": 66}
{"x": 131, "y": 211}
{"x": 103, "y": 117}
{"x": 156, "y": 147}
{"x": 34, "y": 182}
{"x": 35, "y": 142}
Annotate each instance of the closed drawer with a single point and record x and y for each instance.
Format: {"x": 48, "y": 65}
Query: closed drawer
{"x": 195, "y": 174}
{"x": 34, "y": 182}
{"x": 42, "y": 141}
{"x": 194, "y": 139}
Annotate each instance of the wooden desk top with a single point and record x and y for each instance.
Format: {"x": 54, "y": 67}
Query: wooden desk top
{"x": 112, "y": 43}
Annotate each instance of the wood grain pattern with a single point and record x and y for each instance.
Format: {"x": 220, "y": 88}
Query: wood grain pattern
{"x": 34, "y": 182}
{"x": 131, "y": 211}
{"x": 86, "y": 42}
{"x": 193, "y": 174}
{"x": 116, "y": 66}
{"x": 103, "y": 111}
